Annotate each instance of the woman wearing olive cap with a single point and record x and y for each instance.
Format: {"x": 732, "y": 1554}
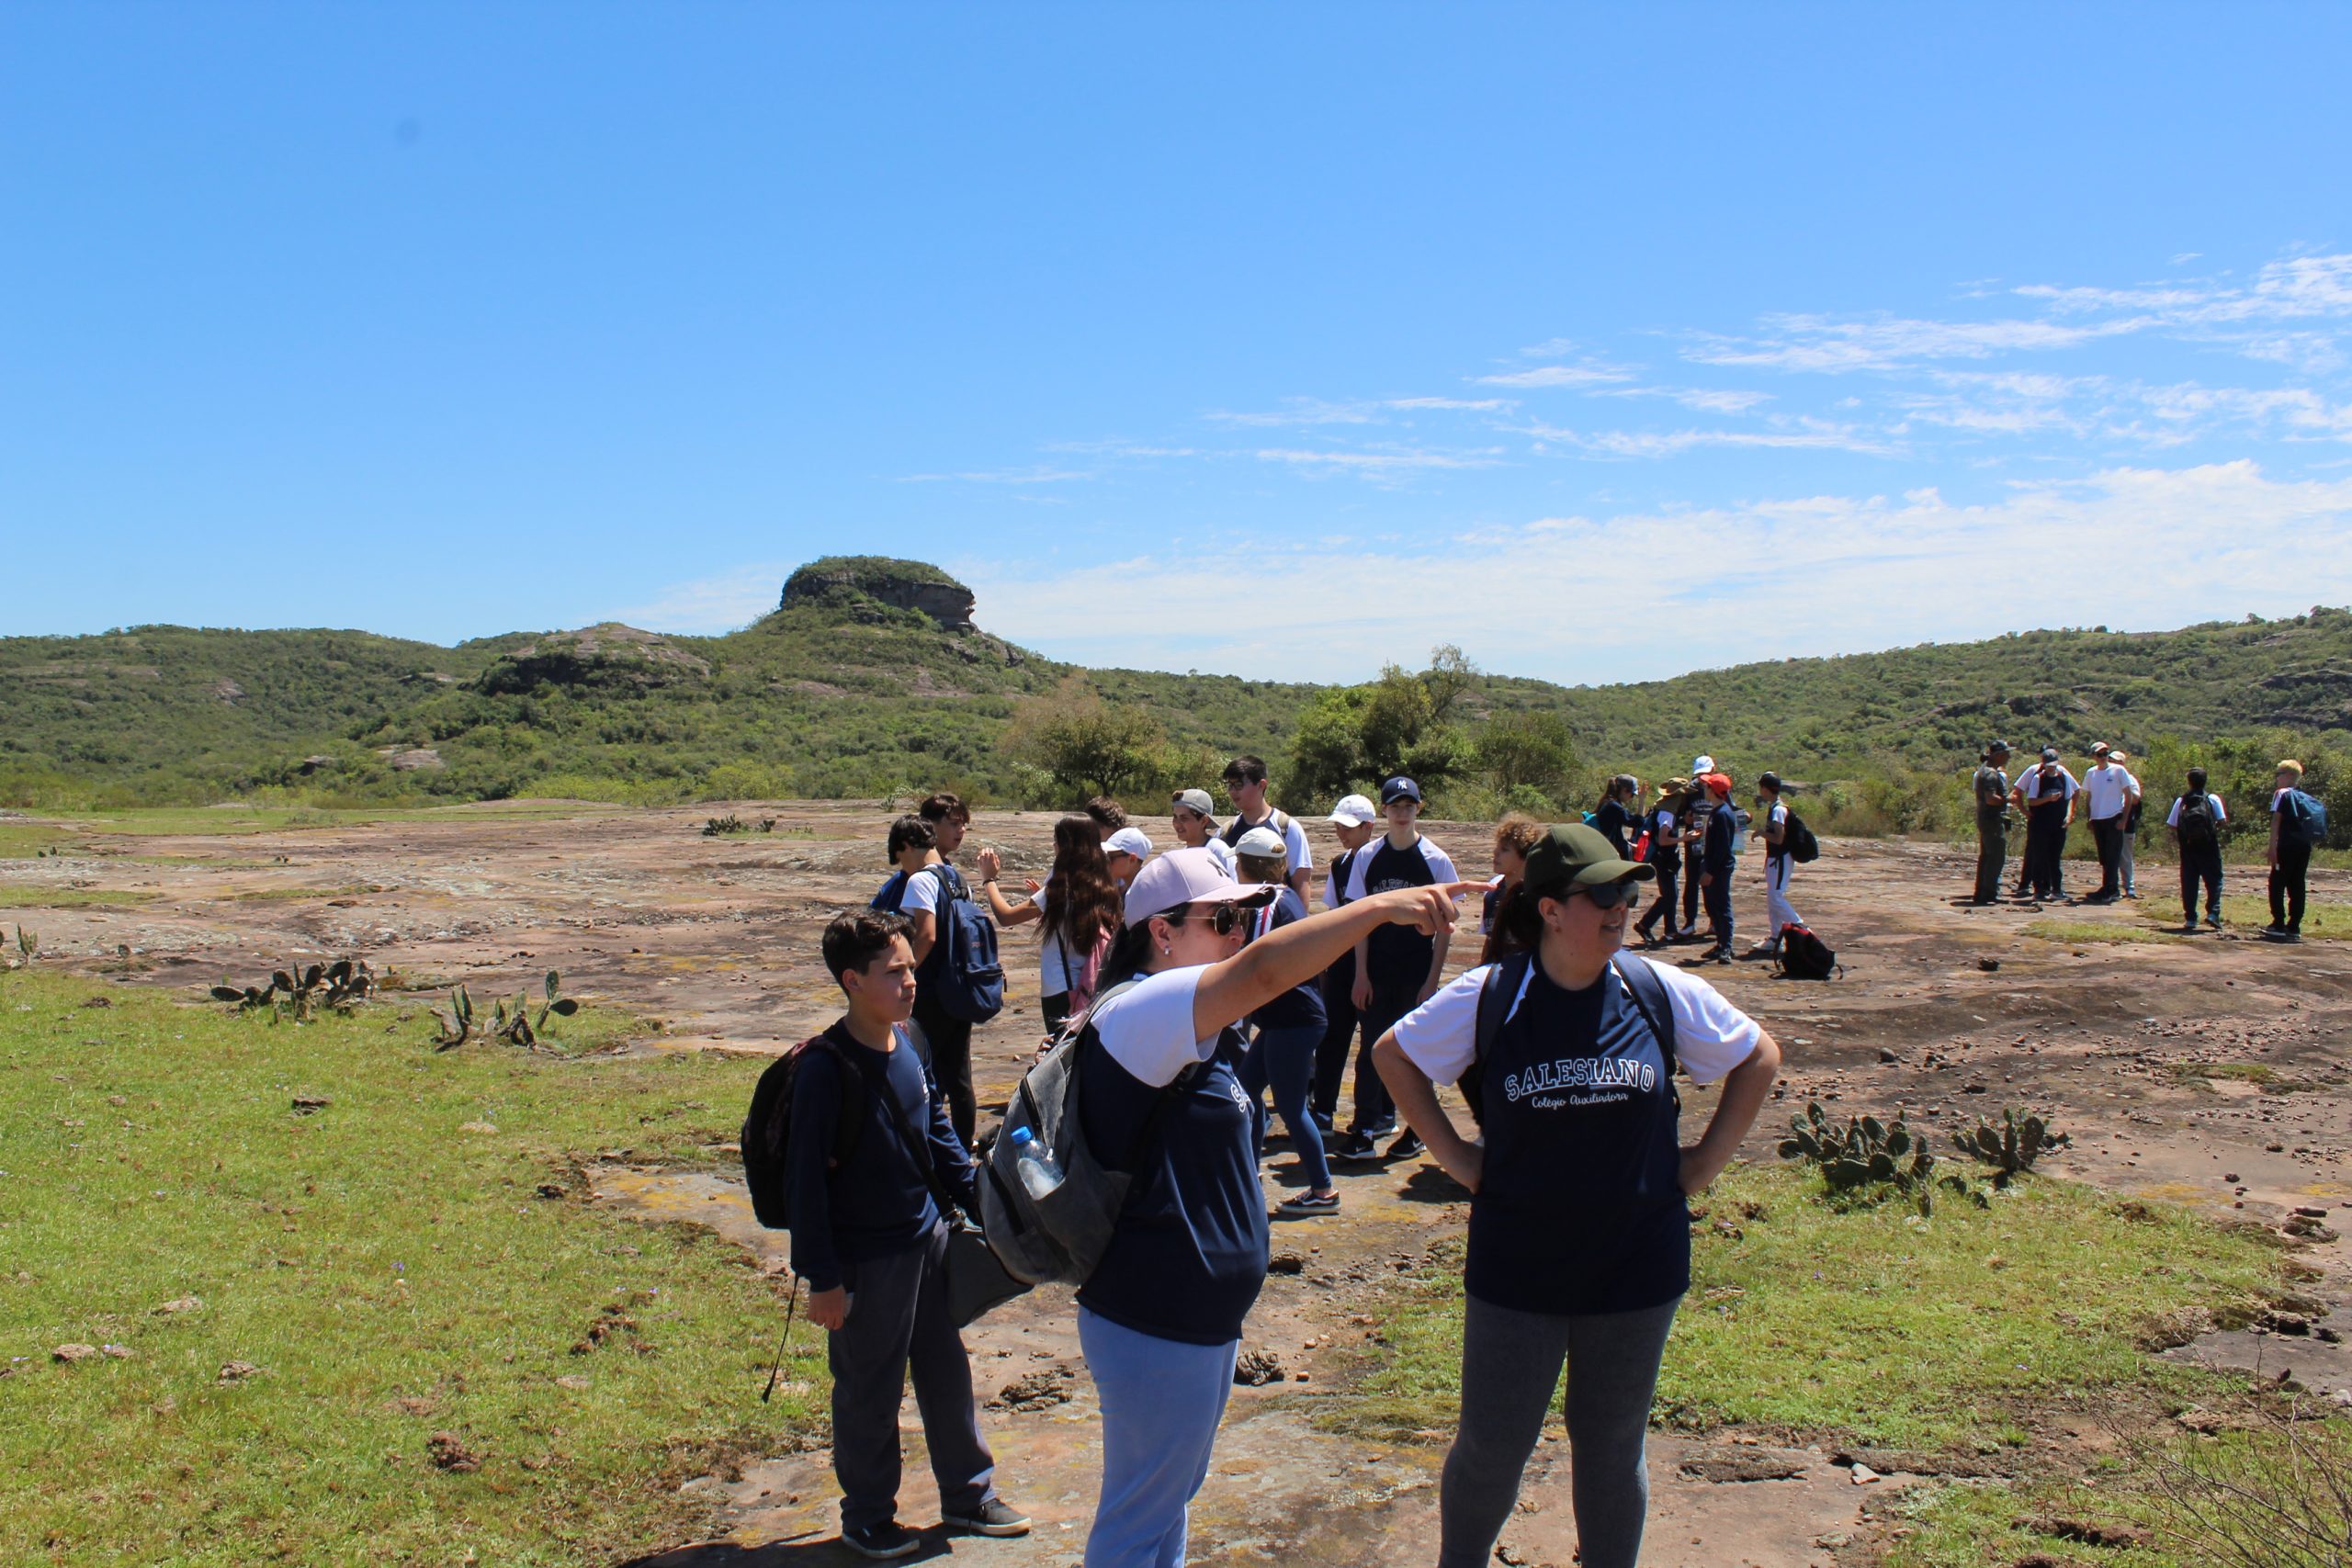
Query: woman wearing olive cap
{"x": 1579, "y": 1247}
{"x": 1160, "y": 1319}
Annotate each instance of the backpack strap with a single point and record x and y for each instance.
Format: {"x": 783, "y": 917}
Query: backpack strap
{"x": 1642, "y": 982}
{"x": 1504, "y": 978}
{"x": 1088, "y": 1035}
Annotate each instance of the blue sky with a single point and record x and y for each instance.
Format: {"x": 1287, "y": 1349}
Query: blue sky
{"x": 1275, "y": 340}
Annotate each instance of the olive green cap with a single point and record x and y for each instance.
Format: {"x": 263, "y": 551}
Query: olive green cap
{"x": 1574, "y": 853}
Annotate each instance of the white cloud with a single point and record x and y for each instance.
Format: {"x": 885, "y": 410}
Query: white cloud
{"x": 1556, "y": 376}
{"x": 705, "y": 606}
{"x": 1804, "y": 576}
{"x": 1037, "y": 475}
{"x": 1798, "y": 434}
{"x": 1888, "y": 343}
{"x": 1380, "y": 463}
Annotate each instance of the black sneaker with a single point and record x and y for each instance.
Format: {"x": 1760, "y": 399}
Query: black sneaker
{"x": 889, "y": 1538}
{"x": 995, "y": 1517}
{"x": 1309, "y": 1202}
{"x": 1352, "y": 1146}
{"x": 1407, "y": 1145}
{"x": 2213, "y": 922}
{"x": 1719, "y": 955}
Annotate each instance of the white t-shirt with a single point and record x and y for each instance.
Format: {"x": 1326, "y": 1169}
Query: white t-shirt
{"x": 1710, "y": 1036}
{"x": 2106, "y": 789}
{"x": 921, "y": 897}
{"x": 1147, "y": 1028}
{"x": 1053, "y": 957}
{"x": 2219, "y": 815}
{"x": 1297, "y": 856}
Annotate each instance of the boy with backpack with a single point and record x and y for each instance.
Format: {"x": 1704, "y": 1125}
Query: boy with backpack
{"x": 1779, "y": 842}
{"x": 1398, "y": 968}
{"x": 1245, "y": 785}
{"x": 954, "y": 953}
{"x": 949, "y": 817}
{"x": 2298, "y": 823}
{"x": 2196, "y": 823}
{"x": 867, "y": 1135}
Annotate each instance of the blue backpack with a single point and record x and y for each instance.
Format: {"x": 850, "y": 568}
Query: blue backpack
{"x": 961, "y": 970}
{"x": 2306, "y": 817}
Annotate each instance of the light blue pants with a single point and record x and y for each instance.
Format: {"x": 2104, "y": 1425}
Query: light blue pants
{"x": 1161, "y": 1401}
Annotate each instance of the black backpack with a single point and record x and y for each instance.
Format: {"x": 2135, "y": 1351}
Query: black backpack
{"x": 1798, "y": 840}
{"x": 2196, "y": 821}
{"x": 1804, "y": 956}
{"x": 767, "y": 1130}
{"x": 962, "y": 964}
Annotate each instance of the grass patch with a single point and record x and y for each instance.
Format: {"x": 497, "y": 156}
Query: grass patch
{"x": 295, "y": 894}
{"x": 369, "y": 1253}
{"x": 22, "y": 840}
{"x": 2073, "y": 931}
{"x": 20, "y": 896}
{"x": 2328, "y": 921}
{"x": 1877, "y": 1325}
{"x": 2250, "y": 1072}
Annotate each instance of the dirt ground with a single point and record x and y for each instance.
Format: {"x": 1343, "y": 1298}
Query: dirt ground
{"x": 1943, "y": 1010}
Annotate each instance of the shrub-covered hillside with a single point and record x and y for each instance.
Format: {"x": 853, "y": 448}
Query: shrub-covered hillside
{"x": 870, "y": 678}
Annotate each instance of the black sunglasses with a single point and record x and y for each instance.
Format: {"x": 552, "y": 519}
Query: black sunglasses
{"x": 1610, "y": 894}
{"x": 1224, "y": 918}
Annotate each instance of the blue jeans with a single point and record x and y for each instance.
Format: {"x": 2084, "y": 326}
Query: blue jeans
{"x": 1284, "y": 1059}
{"x": 1161, "y": 1401}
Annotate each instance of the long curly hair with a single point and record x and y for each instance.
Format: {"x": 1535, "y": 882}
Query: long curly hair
{"x": 1082, "y": 899}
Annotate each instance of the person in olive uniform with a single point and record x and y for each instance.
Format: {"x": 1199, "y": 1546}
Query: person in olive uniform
{"x": 1992, "y": 821}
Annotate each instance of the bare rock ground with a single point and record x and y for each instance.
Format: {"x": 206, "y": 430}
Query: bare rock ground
{"x": 714, "y": 937}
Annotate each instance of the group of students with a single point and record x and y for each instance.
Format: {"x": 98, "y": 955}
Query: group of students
{"x": 2111, "y": 799}
{"x": 1194, "y": 981}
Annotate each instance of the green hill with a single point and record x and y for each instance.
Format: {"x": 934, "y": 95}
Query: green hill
{"x": 869, "y": 678}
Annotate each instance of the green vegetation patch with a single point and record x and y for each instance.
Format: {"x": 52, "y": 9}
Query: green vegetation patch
{"x": 23, "y": 840}
{"x": 2079, "y": 931}
{"x": 386, "y": 1264}
{"x": 23, "y": 896}
{"x": 1876, "y": 1326}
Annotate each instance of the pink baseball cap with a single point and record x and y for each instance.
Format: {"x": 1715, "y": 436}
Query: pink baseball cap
{"x": 1187, "y": 876}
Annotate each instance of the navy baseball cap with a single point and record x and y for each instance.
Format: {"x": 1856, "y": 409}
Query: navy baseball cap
{"x": 1400, "y": 788}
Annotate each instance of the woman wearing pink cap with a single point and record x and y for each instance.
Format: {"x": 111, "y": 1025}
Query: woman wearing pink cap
{"x": 1160, "y": 1317}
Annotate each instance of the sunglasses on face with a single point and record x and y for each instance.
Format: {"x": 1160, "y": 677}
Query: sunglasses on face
{"x": 1224, "y": 919}
{"x": 1608, "y": 895}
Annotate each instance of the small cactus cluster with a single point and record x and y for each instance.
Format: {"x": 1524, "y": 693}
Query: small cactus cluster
{"x": 515, "y": 1025}
{"x": 1864, "y": 1151}
{"x": 730, "y": 823}
{"x": 2009, "y": 1148}
{"x": 297, "y": 992}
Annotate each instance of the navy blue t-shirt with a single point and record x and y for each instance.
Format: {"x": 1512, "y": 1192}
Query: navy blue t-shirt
{"x": 1612, "y": 820}
{"x": 1714, "y": 851}
{"x": 1302, "y": 1004}
{"x": 877, "y": 1202}
{"x": 1399, "y": 956}
{"x": 1188, "y": 1255}
{"x": 1580, "y": 1208}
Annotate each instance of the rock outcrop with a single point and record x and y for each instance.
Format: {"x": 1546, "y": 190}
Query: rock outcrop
{"x": 606, "y": 655}
{"x": 901, "y": 584}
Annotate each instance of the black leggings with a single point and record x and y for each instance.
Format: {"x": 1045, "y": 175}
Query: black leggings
{"x": 950, "y": 1040}
{"x": 2288, "y": 889}
{"x": 1339, "y": 1036}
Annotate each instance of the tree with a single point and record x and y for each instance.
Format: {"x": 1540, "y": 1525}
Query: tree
{"x": 1326, "y": 752}
{"x": 1089, "y": 746}
{"x": 1449, "y": 674}
{"x": 1531, "y": 749}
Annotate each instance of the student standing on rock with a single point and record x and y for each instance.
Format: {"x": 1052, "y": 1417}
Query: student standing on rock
{"x": 1992, "y": 790}
{"x": 1160, "y": 1317}
{"x": 2196, "y": 822}
{"x": 1778, "y": 913}
{"x": 871, "y": 1242}
{"x": 1664, "y": 825}
{"x": 1717, "y": 861}
{"x": 2047, "y": 794}
{"x": 1078, "y": 908}
{"x": 1396, "y": 970}
{"x": 2291, "y": 853}
{"x": 1285, "y": 1033}
{"x": 1355, "y": 823}
{"x": 2108, "y": 791}
{"x": 1615, "y": 816}
{"x": 1579, "y": 1242}
{"x": 921, "y": 890}
{"x": 1694, "y": 838}
{"x": 1245, "y": 783}
{"x": 2131, "y": 823}
{"x": 1193, "y": 813}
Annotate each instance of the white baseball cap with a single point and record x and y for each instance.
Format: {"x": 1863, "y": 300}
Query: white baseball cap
{"x": 1129, "y": 841}
{"x": 1262, "y": 842}
{"x": 1197, "y": 800}
{"x": 1703, "y": 764}
{"x": 1354, "y": 811}
{"x": 1187, "y": 877}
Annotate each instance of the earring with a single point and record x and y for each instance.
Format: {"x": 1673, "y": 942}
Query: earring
{"x": 1166, "y": 950}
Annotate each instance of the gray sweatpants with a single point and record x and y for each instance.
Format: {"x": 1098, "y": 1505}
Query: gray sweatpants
{"x": 898, "y": 1322}
{"x": 1511, "y": 1361}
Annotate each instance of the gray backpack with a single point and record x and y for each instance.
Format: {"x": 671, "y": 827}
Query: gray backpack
{"x": 1064, "y": 1237}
